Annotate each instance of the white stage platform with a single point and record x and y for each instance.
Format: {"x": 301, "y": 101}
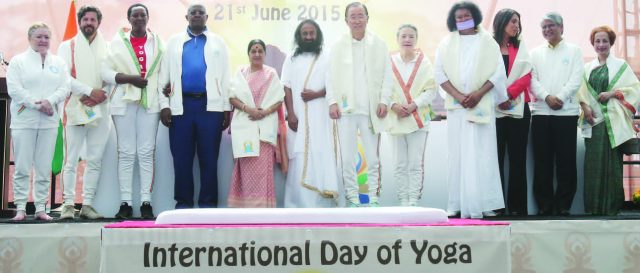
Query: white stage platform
{"x": 549, "y": 246}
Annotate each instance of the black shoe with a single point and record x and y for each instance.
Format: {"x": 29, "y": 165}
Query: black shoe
{"x": 146, "y": 211}
{"x": 544, "y": 213}
{"x": 125, "y": 211}
{"x": 517, "y": 213}
{"x": 181, "y": 205}
{"x": 564, "y": 212}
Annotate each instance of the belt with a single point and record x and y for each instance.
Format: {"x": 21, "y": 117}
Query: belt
{"x": 194, "y": 95}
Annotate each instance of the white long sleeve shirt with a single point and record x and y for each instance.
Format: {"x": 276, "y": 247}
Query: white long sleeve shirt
{"x": 556, "y": 71}
{"x": 29, "y": 81}
{"x": 218, "y": 75}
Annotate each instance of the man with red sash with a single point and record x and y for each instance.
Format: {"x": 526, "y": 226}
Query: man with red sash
{"x": 86, "y": 113}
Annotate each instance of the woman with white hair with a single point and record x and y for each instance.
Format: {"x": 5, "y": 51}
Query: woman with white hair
{"x": 414, "y": 88}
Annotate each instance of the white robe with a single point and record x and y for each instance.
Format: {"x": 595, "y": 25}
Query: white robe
{"x": 321, "y": 163}
{"x": 473, "y": 172}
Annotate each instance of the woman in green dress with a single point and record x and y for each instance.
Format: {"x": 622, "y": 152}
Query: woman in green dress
{"x": 608, "y": 98}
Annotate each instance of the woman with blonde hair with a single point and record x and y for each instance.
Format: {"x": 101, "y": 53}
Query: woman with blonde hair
{"x": 36, "y": 81}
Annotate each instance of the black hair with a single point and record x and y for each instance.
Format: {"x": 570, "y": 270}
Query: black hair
{"x": 500, "y": 21}
{"x": 298, "y": 38}
{"x": 471, "y": 7}
{"x": 256, "y": 41}
{"x": 84, "y": 9}
{"x": 136, "y": 5}
{"x": 356, "y": 4}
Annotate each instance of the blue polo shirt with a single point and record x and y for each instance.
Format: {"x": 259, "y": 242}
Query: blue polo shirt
{"x": 194, "y": 67}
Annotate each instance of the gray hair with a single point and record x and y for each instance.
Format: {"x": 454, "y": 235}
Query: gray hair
{"x": 407, "y": 26}
{"x": 35, "y": 26}
{"x": 554, "y": 17}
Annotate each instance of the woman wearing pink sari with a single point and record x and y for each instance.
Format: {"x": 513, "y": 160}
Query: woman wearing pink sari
{"x": 257, "y": 94}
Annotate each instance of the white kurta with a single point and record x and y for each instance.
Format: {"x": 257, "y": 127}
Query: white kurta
{"x": 321, "y": 162}
{"x": 473, "y": 172}
{"x": 93, "y": 136}
{"x": 556, "y": 71}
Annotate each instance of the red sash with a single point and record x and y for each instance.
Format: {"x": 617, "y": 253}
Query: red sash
{"x": 72, "y": 45}
{"x": 406, "y": 88}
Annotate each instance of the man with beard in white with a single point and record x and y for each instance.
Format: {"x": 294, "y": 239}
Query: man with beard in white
{"x": 86, "y": 116}
{"x": 312, "y": 177}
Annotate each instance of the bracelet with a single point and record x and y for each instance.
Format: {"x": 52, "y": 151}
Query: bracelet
{"x": 618, "y": 95}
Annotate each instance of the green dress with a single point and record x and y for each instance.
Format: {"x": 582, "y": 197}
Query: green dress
{"x": 603, "y": 190}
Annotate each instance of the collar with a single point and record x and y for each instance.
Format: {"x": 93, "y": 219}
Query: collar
{"x": 33, "y": 54}
{"x": 398, "y": 57}
{"x": 556, "y": 46}
{"x": 191, "y": 35}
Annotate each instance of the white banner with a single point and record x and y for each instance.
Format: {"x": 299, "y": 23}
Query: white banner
{"x": 288, "y": 249}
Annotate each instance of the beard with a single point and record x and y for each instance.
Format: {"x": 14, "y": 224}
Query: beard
{"x": 310, "y": 46}
{"x": 87, "y": 31}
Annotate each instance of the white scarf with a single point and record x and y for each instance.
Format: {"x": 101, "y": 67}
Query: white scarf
{"x": 485, "y": 66}
{"x": 87, "y": 71}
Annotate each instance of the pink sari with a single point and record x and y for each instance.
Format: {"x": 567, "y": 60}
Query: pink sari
{"x": 252, "y": 183}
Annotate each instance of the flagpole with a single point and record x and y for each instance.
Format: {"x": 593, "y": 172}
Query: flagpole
{"x": 57, "y": 163}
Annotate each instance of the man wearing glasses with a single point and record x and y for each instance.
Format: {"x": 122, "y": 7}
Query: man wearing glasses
{"x": 557, "y": 71}
{"x": 358, "y": 93}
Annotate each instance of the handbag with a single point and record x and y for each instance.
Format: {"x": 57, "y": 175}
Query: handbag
{"x": 631, "y": 146}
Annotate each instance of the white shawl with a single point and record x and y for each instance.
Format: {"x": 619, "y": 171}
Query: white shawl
{"x": 246, "y": 134}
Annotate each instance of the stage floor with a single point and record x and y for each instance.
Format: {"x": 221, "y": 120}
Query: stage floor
{"x": 536, "y": 244}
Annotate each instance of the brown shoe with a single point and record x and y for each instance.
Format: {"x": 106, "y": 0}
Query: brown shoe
{"x": 68, "y": 212}
{"x": 88, "y": 212}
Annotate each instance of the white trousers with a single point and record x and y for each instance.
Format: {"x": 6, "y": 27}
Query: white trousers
{"x": 95, "y": 137}
{"x": 409, "y": 171}
{"x": 136, "y": 131}
{"x": 32, "y": 148}
{"x": 348, "y": 128}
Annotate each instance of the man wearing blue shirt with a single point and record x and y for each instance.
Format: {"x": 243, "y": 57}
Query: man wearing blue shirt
{"x": 195, "y": 73}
